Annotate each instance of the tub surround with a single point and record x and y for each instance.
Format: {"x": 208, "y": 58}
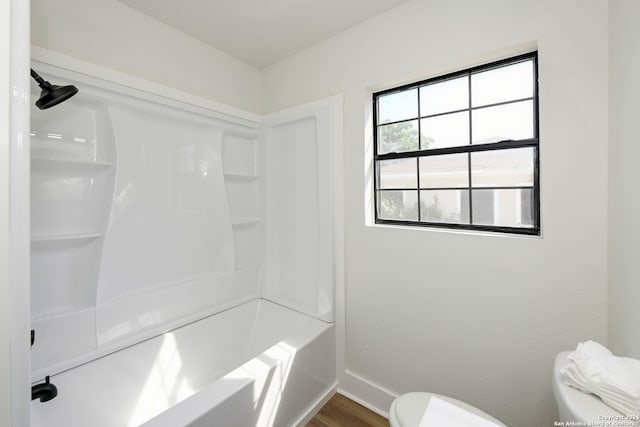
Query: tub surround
{"x": 159, "y": 226}
{"x": 139, "y": 223}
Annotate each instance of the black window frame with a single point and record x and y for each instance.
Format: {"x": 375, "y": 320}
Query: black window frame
{"x": 470, "y": 148}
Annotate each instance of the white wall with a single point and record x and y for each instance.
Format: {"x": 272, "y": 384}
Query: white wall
{"x": 109, "y": 33}
{"x": 624, "y": 152}
{"x": 476, "y": 316}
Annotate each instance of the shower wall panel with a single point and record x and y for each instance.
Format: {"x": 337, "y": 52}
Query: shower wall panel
{"x": 169, "y": 231}
{"x": 144, "y": 217}
{"x": 299, "y": 265}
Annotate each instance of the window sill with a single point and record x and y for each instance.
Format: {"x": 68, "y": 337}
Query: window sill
{"x": 460, "y": 231}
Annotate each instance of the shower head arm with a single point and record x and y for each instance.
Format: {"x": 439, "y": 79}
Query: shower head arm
{"x": 41, "y": 82}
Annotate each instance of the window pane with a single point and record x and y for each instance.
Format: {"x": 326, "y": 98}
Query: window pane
{"x": 449, "y": 170}
{"x": 398, "y": 173}
{"x": 399, "y": 205}
{"x": 502, "y": 168}
{"x": 484, "y": 211}
{"x": 510, "y": 121}
{"x": 450, "y": 206}
{"x": 398, "y": 106}
{"x": 448, "y": 130}
{"x": 398, "y": 137}
{"x": 526, "y": 208}
{"x": 502, "y": 84}
{"x": 446, "y": 96}
{"x": 506, "y": 208}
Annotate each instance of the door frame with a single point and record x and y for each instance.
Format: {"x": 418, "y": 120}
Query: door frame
{"x": 14, "y": 218}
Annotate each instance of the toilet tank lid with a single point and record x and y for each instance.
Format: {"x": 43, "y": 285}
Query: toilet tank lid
{"x": 583, "y": 406}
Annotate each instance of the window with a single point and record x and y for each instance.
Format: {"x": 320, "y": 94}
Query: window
{"x": 461, "y": 150}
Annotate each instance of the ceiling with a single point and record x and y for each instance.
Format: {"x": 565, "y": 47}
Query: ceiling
{"x": 261, "y": 32}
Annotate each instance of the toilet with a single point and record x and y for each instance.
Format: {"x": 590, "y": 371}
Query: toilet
{"x": 574, "y": 405}
{"x": 409, "y": 409}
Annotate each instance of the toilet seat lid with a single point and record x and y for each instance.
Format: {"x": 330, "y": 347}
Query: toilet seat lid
{"x": 408, "y": 409}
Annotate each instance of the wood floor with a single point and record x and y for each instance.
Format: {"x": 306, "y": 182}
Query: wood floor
{"x": 342, "y": 412}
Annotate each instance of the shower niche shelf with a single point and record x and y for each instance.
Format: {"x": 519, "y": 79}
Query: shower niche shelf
{"x": 53, "y": 165}
{"x": 72, "y": 182}
{"x": 241, "y": 222}
{"x": 243, "y": 198}
{"x": 239, "y": 154}
{"x": 65, "y": 238}
{"x": 242, "y": 185}
{"x": 67, "y": 201}
{"x": 61, "y": 271}
{"x": 241, "y": 177}
{"x": 63, "y": 312}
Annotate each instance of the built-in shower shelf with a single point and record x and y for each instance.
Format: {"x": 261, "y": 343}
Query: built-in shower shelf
{"x": 66, "y": 238}
{"x": 63, "y": 312}
{"x": 62, "y": 165}
{"x": 53, "y": 137}
{"x": 245, "y": 221}
{"x": 240, "y": 177}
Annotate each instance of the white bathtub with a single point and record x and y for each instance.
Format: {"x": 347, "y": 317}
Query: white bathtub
{"x": 258, "y": 364}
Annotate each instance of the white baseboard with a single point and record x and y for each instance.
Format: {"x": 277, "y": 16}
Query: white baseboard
{"x": 368, "y": 394}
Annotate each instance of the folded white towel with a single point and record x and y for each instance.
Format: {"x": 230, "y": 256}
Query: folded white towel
{"x": 624, "y": 372}
{"x": 587, "y": 361}
{"x": 619, "y": 385}
{"x": 592, "y": 368}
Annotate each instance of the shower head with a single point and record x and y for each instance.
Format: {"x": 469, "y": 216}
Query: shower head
{"x": 52, "y": 94}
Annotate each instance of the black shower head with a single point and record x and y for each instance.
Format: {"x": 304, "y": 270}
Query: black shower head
{"x": 52, "y": 94}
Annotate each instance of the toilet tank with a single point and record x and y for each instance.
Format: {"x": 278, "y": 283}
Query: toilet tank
{"x": 575, "y": 405}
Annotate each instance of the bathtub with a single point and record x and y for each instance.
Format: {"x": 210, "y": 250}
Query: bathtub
{"x": 257, "y": 364}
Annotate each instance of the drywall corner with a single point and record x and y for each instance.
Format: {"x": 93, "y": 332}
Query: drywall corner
{"x": 624, "y": 205}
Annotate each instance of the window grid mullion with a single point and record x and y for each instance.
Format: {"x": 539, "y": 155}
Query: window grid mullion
{"x": 418, "y": 158}
{"x": 469, "y": 148}
{"x": 536, "y": 117}
{"x": 462, "y": 110}
{"x": 376, "y": 168}
{"x": 488, "y": 187}
{"x": 469, "y": 153}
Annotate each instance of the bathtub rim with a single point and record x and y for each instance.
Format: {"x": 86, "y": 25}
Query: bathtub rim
{"x": 199, "y": 404}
